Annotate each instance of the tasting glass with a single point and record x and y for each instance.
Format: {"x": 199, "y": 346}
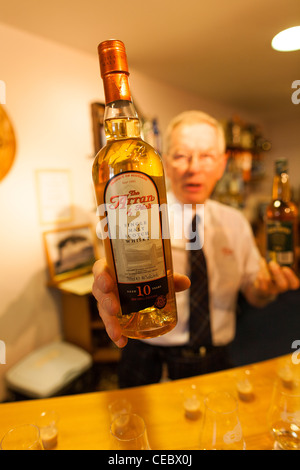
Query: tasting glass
{"x": 221, "y": 429}
{"x": 47, "y": 423}
{"x": 129, "y": 433}
{"x": 284, "y": 416}
{"x": 23, "y": 437}
{"x": 191, "y": 402}
{"x": 118, "y": 407}
{"x": 244, "y": 386}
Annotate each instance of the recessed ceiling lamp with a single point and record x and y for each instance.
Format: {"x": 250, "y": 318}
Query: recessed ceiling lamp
{"x": 287, "y": 40}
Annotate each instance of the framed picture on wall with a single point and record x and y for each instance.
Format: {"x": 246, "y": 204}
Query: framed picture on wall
{"x": 70, "y": 252}
{"x": 98, "y": 126}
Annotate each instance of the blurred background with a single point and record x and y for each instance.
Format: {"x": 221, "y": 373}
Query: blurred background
{"x": 215, "y": 56}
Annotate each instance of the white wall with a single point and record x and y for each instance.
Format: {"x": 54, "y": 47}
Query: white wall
{"x": 285, "y": 138}
{"x": 48, "y": 93}
{"x": 49, "y": 89}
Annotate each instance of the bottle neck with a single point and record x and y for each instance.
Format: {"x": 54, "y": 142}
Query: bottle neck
{"x": 120, "y": 117}
{"x": 121, "y": 121}
{"x": 281, "y": 188}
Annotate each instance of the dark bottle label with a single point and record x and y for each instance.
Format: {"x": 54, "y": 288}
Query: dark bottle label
{"x": 280, "y": 242}
{"x": 135, "y": 230}
{"x": 281, "y": 166}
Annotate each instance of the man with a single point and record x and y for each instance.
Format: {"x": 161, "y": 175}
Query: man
{"x": 195, "y": 161}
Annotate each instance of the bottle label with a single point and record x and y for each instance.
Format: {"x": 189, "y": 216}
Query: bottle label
{"x": 281, "y": 166}
{"x": 280, "y": 242}
{"x": 135, "y": 230}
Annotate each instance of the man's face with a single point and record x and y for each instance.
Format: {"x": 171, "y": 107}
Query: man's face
{"x": 194, "y": 164}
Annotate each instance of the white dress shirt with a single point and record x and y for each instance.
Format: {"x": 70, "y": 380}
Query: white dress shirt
{"x": 232, "y": 260}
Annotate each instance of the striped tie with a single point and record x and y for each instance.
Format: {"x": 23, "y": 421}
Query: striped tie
{"x": 200, "y": 334}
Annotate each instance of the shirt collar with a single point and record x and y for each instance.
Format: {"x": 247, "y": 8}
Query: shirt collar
{"x": 174, "y": 203}
{"x": 179, "y": 214}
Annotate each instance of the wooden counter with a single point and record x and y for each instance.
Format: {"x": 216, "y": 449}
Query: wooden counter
{"x": 84, "y": 419}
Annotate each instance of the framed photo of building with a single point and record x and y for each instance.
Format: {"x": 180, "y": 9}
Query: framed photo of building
{"x": 70, "y": 252}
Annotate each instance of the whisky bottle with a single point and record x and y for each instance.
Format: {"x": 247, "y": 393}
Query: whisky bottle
{"x": 281, "y": 220}
{"x": 130, "y": 190}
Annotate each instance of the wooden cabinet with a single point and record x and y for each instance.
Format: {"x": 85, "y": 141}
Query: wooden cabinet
{"x": 82, "y": 326}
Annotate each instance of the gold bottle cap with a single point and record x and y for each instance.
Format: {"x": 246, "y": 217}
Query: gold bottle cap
{"x": 112, "y": 57}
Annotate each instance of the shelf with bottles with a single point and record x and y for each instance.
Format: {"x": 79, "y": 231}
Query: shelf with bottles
{"x": 242, "y": 136}
{"x": 245, "y": 148}
{"x": 246, "y": 145}
{"x": 151, "y": 134}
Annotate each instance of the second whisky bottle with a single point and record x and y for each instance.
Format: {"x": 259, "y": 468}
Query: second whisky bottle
{"x": 282, "y": 220}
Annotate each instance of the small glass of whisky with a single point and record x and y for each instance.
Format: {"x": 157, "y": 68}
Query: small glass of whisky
{"x": 284, "y": 416}
{"x": 22, "y": 437}
{"x": 221, "y": 428}
{"x": 119, "y": 407}
{"x": 129, "y": 433}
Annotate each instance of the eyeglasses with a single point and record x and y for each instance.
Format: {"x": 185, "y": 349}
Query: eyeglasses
{"x": 182, "y": 160}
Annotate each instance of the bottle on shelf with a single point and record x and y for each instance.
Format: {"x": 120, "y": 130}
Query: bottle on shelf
{"x": 282, "y": 220}
{"x": 130, "y": 190}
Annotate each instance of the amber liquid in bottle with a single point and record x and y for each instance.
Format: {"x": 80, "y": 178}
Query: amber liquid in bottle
{"x": 130, "y": 189}
{"x": 282, "y": 220}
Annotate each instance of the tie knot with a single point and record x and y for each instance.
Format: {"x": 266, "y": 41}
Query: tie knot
{"x": 195, "y": 240}
{"x": 195, "y": 222}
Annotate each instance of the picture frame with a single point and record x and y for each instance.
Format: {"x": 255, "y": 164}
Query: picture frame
{"x": 98, "y": 125}
{"x": 70, "y": 252}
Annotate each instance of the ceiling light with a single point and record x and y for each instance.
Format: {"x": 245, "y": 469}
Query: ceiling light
{"x": 287, "y": 40}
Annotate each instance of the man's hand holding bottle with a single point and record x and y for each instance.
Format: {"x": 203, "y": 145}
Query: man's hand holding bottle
{"x": 106, "y": 293}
